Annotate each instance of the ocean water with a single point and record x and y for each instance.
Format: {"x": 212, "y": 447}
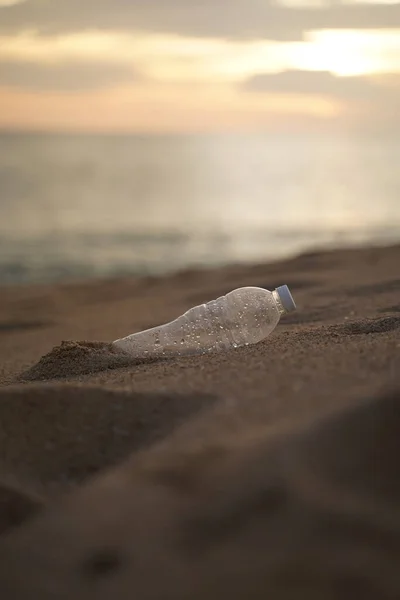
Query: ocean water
{"x": 92, "y": 206}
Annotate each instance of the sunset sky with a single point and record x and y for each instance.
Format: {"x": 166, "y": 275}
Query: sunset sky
{"x": 198, "y": 65}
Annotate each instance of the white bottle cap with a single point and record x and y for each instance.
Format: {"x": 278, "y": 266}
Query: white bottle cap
{"x": 286, "y": 298}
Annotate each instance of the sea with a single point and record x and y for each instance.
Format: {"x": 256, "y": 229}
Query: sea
{"x": 86, "y": 206}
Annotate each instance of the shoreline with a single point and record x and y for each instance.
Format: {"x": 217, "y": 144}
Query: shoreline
{"x": 380, "y": 236}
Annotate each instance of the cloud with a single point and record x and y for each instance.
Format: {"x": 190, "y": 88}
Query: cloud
{"x": 64, "y": 76}
{"x": 321, "y": 83}
{"x": 361, "y": 96}
{"x": 208, "y": 18}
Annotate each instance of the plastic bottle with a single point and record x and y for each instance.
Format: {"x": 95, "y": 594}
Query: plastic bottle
{"x": 244, "y": 316}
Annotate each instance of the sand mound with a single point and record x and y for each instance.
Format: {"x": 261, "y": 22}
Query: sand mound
{"x": 77, "y": 358}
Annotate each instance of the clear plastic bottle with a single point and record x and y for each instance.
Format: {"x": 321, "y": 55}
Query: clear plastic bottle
{"x": 244, "y": 316}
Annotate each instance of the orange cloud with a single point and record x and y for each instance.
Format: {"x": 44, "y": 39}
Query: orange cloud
{"x": 155, "y": 109}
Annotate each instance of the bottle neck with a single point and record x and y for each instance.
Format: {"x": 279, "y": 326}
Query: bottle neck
{"x": 279, "y": 303}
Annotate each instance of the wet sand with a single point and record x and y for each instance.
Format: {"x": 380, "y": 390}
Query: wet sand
{"x": 269, "y": 469}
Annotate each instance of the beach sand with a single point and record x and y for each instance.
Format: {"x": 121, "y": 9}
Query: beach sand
{"x": 267, "y": 471}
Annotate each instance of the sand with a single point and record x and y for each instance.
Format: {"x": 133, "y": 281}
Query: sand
{"x": 270, "y": 470}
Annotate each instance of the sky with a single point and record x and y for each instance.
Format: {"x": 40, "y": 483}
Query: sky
{"x": 178, "y": 66}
